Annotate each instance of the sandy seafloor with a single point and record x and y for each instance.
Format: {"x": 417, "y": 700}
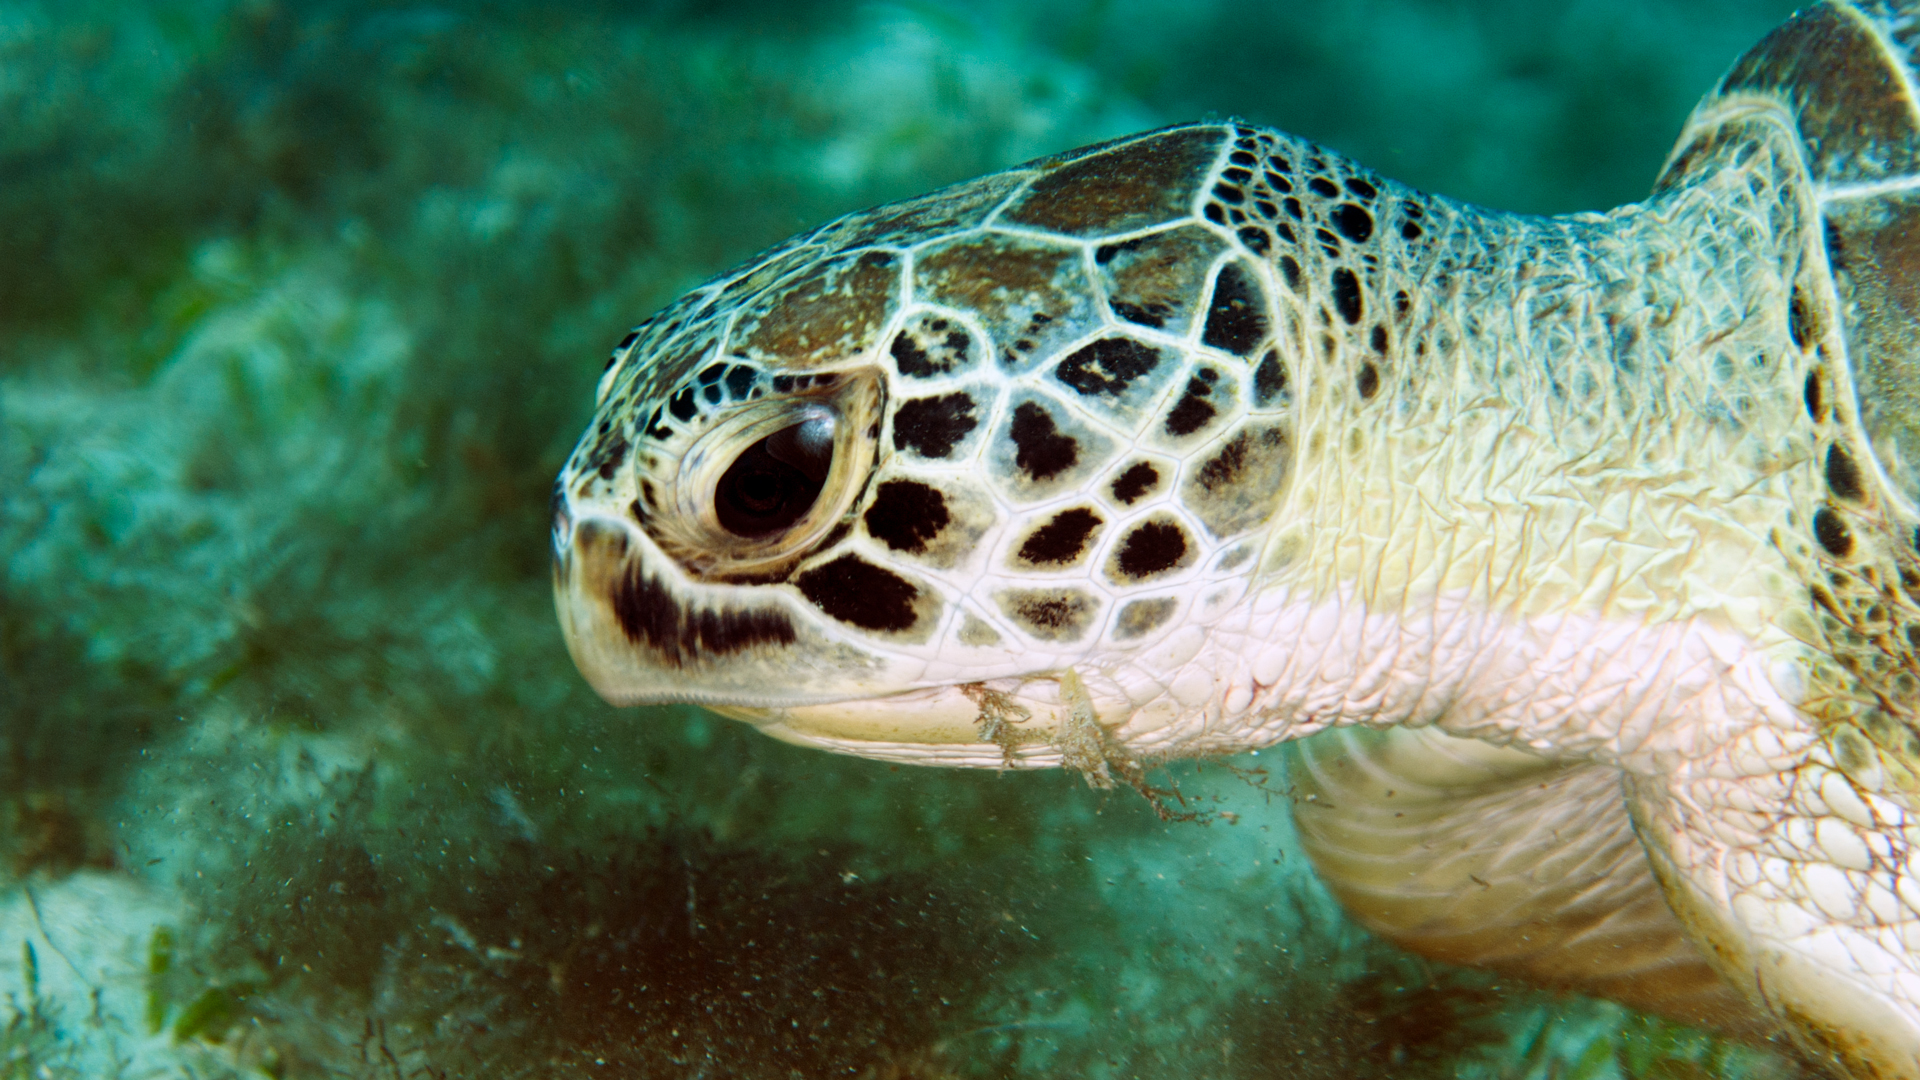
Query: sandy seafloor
{"x": 301, "y": 306}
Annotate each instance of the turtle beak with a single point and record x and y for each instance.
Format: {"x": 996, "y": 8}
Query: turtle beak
{"x": 908, "y": 722}
{"x": 938, "y": 725}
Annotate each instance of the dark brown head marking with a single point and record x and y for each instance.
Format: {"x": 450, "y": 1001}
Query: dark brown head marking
{"x": 1041, "y": 451}
{"x": 1049, "y": 614}
{"x": 1193, "y": 411}
{"x": 932, "y": 426}
{"x": 1139, "y": 479}
{"x": 861, "y": 594}
{"x": 1108, "y": 366}
{"x": 608, "y": 452}
{"x": 906, "y": 515}
{"x": 1269, "y": 380}
{"x": 1149, "y": 550}
{"x": 1237, "y": 487}
{"x": 1237, "y": 317}
{"x": 931, "y": 345}
{"x": 681, "y": 633}
{"x": 1062, "y": 540}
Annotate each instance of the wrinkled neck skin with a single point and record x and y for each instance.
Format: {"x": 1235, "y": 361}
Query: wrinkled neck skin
{"x": 1543, "y": 515}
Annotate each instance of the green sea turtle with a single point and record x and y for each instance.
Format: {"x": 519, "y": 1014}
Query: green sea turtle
{"x": 1593, "y": 537}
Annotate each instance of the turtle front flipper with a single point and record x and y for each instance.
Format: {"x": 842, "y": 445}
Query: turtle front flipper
{"x": 1471, "y": 853}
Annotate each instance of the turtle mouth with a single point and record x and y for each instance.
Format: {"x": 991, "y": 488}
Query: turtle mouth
{"x": 937, "y": 715}
{"x": 938, "y": 725}
{"x": 643, "y": 633}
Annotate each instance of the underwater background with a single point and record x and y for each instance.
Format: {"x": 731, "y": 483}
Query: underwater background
{"x": 301, "y": 308}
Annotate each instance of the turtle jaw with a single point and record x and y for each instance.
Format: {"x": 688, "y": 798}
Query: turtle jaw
{"x": 939, "y": 725}
{"x": 914, "y": 722}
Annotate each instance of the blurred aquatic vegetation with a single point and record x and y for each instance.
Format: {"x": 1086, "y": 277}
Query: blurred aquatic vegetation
{"x": 31, "y": 1047}
{"x": 290, "y": 369}
{"x": 497, "y": 946}
{"x": 357, "y": 373}
{"x": 62, "y": 754}
{"x": 301, "y": 306}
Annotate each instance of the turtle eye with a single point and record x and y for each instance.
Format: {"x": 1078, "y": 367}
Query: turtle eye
{"x": 774, "y": 482}
{"x": 767, "y": 482}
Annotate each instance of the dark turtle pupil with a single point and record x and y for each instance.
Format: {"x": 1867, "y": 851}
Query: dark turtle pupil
{"x": 773, "y": 483}
{"x": 759, "y": 492}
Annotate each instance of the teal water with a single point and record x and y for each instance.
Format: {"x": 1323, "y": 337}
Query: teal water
{"x": 301, "y": 307}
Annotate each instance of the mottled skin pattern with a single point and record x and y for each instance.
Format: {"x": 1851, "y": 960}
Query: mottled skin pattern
{"x": 1208, "y": 439}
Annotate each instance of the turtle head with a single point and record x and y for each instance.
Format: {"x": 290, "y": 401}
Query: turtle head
{"x": 975, "y": 438}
